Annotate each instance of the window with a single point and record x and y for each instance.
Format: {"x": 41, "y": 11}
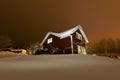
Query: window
{"x": 49, "y": 41}
{"x": 78, "y": 36}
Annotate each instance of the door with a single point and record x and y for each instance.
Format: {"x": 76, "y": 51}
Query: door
{"x": 79, "y": 49}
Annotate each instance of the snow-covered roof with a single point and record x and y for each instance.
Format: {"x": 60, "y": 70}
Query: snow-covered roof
{"x": 66, "y": 34}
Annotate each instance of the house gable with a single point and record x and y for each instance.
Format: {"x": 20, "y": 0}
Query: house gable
{"x": 71, "y": 41}
{"x": 66, "y": 34}
{"x": 75, "y": 34}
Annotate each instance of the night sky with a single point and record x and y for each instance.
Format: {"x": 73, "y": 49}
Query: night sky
{"x": 30, "y": 20}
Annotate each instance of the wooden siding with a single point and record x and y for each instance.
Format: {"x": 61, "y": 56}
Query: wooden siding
{"x": 64, "y": 45}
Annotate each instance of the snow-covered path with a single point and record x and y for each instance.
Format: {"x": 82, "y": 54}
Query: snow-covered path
{"x": 59, "y": 67}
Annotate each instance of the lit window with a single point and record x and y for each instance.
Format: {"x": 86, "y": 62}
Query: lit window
{"x": 49, "y": 41}
{"x": 78, "y": 36}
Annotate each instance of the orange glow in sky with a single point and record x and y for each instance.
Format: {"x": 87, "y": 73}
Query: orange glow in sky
{"x": 26, "y": 20}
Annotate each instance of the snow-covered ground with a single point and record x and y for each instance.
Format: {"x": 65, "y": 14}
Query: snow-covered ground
{"x": 8, "y": 54}
{"x": 59, "y": 67}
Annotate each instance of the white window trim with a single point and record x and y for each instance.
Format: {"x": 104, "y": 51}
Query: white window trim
{"x": 78, "y": 36}
{"x": 50, "y": 40}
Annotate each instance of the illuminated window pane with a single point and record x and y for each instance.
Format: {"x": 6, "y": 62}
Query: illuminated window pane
{"x": 49, "y": 41}
{"x": 78, "y": 36}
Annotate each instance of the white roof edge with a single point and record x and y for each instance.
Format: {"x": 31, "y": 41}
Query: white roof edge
{"x": 69, "y": 32}
{"x": 61, "y": 35}
{"x": 83, "y": 33}
{"x": 74, "y": 29}
{"x": 44, "y": 38}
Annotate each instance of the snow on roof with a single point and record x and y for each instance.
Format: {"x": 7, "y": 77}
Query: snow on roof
{"x": 66, "y": 34}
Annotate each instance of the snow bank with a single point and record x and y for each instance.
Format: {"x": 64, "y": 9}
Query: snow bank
{"x": 8, "y": 53}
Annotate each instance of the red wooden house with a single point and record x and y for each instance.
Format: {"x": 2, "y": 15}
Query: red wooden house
{"x": 71, "y": 41}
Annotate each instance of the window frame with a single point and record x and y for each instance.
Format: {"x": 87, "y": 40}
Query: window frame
{"x": 78, "y": 36}
{"x": 49, "y": 40}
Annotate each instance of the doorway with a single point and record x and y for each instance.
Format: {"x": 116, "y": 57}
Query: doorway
{"x": 79, "y": 49}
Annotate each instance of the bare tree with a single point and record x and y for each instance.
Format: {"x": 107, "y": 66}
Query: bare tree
{"x": 105, "y": 46}
{"x": 117, "y": 46}
{"x": 32, "y": 47}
